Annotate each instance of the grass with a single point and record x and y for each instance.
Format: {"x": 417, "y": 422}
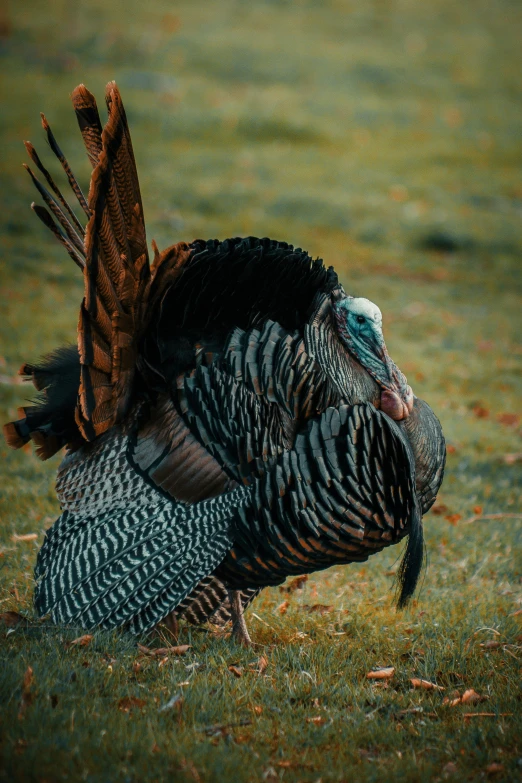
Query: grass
{"x": 383, "y": 136}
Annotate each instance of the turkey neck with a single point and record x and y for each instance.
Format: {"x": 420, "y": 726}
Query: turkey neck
{"x": 351, "y": 380}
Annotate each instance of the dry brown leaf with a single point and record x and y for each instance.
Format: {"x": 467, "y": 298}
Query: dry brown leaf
{"x": 27, "y": 697}
{"x": 321, "y": 608}
{"x": 495, "y": 768}
{"x": 452, "y": 702}
{"x": 81, "y": 641}
{"x": 469, "y": 696}
{"x": 477, "y": 509}
{"x": 439, "y": 509}
{"x": 517, "y": 613}
{"x": 136, "y": 667}
{"x": 491, "y": 645}
{"x": 12, "y": 619}
{"x": 161, "y": 652}
{"x": 508, "y": 419}
{"x": 426, "y": 685}
{"x": 318, "y": 720}
{"x": 129, "y": 703}
{"x": 237, "y": 671}
{"x": 486, "y": 714}
{"x": 472, "y": 697}
{"x": 262, "y": 664}
{"x": 24, "y": 537}
{"x": 450, "y": 448}
{"x": 296, "y": 584}
{"x": 453, "y": 518}
{"x": 163, "y": 661}
{"x": 258, "y": 710}
{"x": 385, "y": 673}
{"x": 283, "y": 608}
{"x": 479, "y": 412}
{"x": 512, "y": 459}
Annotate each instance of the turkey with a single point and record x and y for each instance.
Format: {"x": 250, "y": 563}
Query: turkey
{"x": 230, "y": 415}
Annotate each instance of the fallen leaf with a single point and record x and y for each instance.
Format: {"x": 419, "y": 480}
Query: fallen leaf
{"x": 486, "y": 714}
{"x": 495, "y": 768}
{"x": 450, "y": 449}
{"x": 479, "y": 412}
{"x": 160, "y": 652}
{"x": 398, "y": 193}
{"x": 321, "y": 608}
{"x": 477, "y": 509}
{"x": 453, "y": 518}
{"x": 283, "y": 608}
{"x": 262, "y": 664}
{"x": 472, "y": 697}
{"x": 439, "y": 509}
{"x": 517, "y": 613}
{"x": 508, "y": 419}
{"x": 24, "y": 537}
{"x": 318, "y": 720}
{"x": 81, "y": 641}
{"x": 12, "y": 619}
{"x": 491, "y": 645}
{"x": 155, "y": 748}
{"x": 426, "y": 685}
{"x": 223, "y": 728}
{"x": 511, "y": 459}
{"x": 136, "y": 667}
{"x": 296, "y": 584}
{"x": 163, "y": 661}
{"x": 129, "y": 703}
{"x": 258, "y": 710}
{"x": 27, "y": 697}
{"x": 452, "y": 702}
{"x": 237, "y": 671}
{"x": 385, "y": 673}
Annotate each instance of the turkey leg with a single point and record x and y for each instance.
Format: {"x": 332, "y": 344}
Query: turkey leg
{"x": 239, "y": 628}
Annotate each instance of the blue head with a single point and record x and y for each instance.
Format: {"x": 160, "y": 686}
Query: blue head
{"x": 359, "y": 326}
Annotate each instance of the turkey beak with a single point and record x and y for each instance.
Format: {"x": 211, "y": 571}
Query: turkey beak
{"x": 397, "y": 397}
{"x": 396, "y": 394}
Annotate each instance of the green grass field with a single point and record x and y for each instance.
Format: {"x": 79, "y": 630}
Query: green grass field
{"x": 383, "y": 136}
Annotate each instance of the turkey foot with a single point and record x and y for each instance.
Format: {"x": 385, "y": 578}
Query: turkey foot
{"x": 239, "y": 628}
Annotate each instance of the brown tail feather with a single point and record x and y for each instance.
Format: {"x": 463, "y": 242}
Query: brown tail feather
{"x": 61, "y": 157}
{"x": 38, "y": 163}
{"x": 117, "y": 279}
{"x": 117, "y": 272}
{"x": 47, "y": 220}
{"x": 89, "y": 122}
{"x": 12, "y": 437}
{"x": 58, "y": 212}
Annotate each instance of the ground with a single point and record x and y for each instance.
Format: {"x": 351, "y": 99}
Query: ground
{"x": 384, "y": 137}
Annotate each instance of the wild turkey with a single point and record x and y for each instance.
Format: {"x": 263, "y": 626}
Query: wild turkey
{"x": 231, "y": 416}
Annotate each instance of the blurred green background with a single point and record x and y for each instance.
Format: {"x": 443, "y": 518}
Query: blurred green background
{"x": 383, "y": 136}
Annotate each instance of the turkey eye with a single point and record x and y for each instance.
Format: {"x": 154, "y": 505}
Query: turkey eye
{"x": 361, "y": 319}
